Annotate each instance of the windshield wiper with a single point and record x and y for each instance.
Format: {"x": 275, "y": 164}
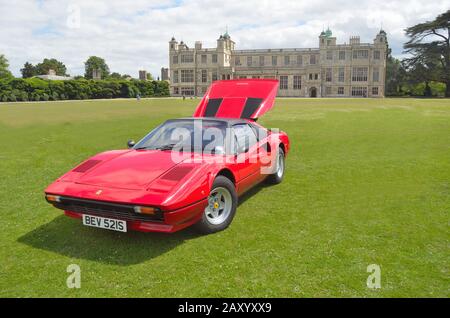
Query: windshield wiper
{"x": 166, "y": 147}
{"x": 163, "y": 147}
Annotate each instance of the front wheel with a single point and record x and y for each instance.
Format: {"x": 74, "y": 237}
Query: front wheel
{"x": 221, "y": 208}
{"x": 277, "y": 177}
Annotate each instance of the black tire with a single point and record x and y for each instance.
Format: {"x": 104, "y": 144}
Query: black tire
{"x": 205, "y": 226}
{"x": 276, "y": 178}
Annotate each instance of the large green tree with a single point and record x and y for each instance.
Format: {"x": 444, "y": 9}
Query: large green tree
{"x": 426, "y": 71}
{"x": 429, "y": 42}
{"x": 395, "y": 76}
{"x": 95, "y": 63}
{"x": 50, "y": 64}
{"x": 4, "y": 67}
{"x": 28, "y": 70}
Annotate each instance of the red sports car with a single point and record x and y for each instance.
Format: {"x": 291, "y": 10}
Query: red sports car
{"x": 186, "y": 171}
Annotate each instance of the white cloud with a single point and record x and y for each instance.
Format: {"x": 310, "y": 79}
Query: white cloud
{"x": 134, "y": 35}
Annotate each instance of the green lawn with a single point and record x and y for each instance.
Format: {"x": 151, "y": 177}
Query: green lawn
{"x": 368, "y": 182}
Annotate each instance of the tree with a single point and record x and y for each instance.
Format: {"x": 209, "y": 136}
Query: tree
{"x": 95, "y": 63}
{"x": 395, "y": 76}
{"x": 4, "y": 65}
{"x": 50, "y": 64}
{"x": 149, "y": 77}
{"x": 424, "y": 72}
{"x": 115, "y": 75}
{"x": 28, "y": 70}
{"x": 437, "y": 49}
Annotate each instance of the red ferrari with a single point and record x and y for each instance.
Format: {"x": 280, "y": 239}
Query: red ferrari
{"x": 186, "y": 171}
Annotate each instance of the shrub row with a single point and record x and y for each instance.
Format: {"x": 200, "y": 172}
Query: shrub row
{"x": 435, "y": 89}
{"x": 36, "y": 89}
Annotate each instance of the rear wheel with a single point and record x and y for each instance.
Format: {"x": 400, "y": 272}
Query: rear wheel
{"x": 277, "y": 177}
{"x": 221, "y": 208}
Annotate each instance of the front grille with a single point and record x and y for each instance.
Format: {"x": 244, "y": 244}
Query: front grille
{"x": 106, "y": 209}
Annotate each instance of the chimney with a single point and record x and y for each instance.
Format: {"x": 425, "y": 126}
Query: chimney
{"x": 354, "y": 40}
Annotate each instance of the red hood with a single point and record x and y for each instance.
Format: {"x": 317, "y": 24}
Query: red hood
{"x": 131, "y": 170}
{"x": 243, "y": 98}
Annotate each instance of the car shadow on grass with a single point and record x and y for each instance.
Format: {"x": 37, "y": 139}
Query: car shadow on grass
{"x": 68, "y": 237}
{"x": 251, "y": 193}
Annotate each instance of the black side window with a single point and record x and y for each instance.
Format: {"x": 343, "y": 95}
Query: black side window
{"x": 259, "y": 132}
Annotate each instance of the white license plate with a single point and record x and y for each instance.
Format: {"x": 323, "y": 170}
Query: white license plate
{"x": 105, "y": 223}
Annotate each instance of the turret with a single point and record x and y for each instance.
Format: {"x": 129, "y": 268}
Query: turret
{"x": 220, "y": 42}
{"x": 173, "y": 44}
{"x": 224, "y": 42}
{"x": 326, "y": 38}
{"x": 183, "y": 46}
{"x": 380, "y": 39}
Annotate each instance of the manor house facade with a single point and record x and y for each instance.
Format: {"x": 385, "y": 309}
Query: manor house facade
{"x": 352, "y": 69}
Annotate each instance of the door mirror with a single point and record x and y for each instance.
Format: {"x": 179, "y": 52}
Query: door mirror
{"x": 131, "y": 143}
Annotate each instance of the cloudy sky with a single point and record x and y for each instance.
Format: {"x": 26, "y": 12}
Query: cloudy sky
{"x": 133, "y": 35}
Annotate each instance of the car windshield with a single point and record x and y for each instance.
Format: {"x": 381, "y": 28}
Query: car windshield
{"x": 207, "y": 136}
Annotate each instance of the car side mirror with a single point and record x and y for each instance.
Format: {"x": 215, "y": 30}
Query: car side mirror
{"x": 131, "y": 143}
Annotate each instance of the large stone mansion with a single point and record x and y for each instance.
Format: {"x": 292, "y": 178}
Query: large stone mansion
{"x": 351, "y": 69}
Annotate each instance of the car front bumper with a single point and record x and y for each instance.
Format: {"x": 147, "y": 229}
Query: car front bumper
{"x": 163, "y": 221}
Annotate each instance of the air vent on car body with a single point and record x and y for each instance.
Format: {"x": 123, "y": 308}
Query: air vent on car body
{"x": 212, "y": 107}
{"x": 177, "y": 173}
{"x": 251, "y": 105}
{"x": 86, "y": 166}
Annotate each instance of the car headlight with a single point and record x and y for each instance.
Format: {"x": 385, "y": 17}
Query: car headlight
{"x": 53, "y": 198}
{"x": 145, "y": 210}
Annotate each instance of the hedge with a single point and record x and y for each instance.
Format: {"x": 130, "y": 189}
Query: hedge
{"x": 36, "y": 89}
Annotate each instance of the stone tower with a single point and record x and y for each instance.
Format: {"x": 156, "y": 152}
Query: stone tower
{"x": 173, "y": 44}
{"x": 326, "y": 39}
{"x": 225, "y": 47}
{"x": 380, "y": 44}
{"x": 381, "y": 39}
